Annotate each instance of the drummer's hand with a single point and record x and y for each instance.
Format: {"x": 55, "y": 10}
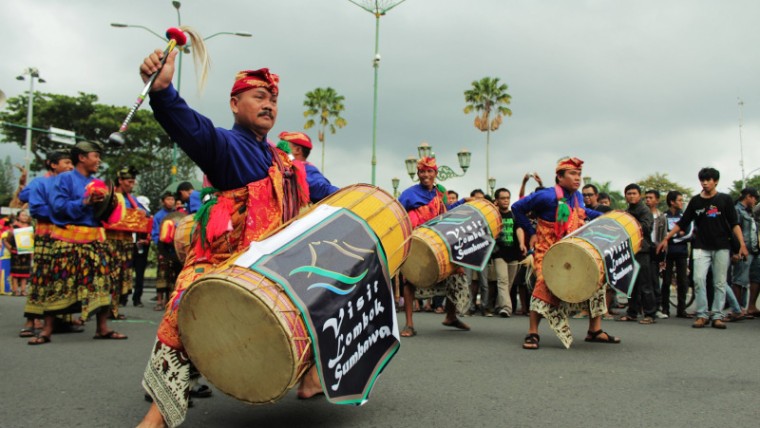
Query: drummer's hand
{"x": 94, "y": 198}
{"x": 152, "y": 63}
{"x": 459, "y": 270}
{"x": 532, "y": 242}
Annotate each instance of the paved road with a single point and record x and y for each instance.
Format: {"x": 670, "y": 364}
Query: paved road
{"x": 664, "y": 375}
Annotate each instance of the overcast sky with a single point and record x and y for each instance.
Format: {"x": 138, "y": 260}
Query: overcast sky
{"x": 632, "y": 88}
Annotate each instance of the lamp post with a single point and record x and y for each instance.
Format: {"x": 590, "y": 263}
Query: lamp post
{"x": 395, "y": 182}
{"x": 444, "y": 172}
{"x": 741, "y": 144}
{"x": 492, "y": 184}
{"x": 33, "y": 73}
{"x": 377, "y": 8}
{"x": 183, "y": 49}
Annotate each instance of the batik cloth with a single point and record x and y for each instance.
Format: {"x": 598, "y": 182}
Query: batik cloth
{"x": 43, "y": 260}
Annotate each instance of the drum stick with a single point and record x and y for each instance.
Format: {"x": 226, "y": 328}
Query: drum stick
{"x": 176, "y": 38}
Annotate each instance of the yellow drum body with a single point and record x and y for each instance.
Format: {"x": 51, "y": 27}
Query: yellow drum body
{"x": 573, "y": 269}
{"x": 183, "y": 237}
{"x": 429, "y": 261}
{"x": 384, "y": 215}
{"x": 241, "y": 329}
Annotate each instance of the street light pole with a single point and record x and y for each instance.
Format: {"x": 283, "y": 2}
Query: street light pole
{"x": 182, "y": 50}
{"x": 741, "y": 144}
{"x": 33, "y": 73}
{"x": 374, "y": 7}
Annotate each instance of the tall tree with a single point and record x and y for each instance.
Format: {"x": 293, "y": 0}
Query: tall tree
{"x": 323, "y": 107}
{"x": 489, "y": 99}
{"x": 663, "y": 184}
{"x": 738, "y": 185}
{"x": 7, "y": 182}
{"x": 147, "y": 147}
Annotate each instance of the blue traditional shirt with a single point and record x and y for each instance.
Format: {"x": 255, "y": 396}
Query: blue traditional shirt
{"x": 35, "y": 194}
{"x": 544, "y": 204}
{"x": 66, "y": 200}
{"x": 319, "y": 186}
{"x": 194, "y": 203}
{"x": 417, "y": 196}
{"x": 230, "y": 158}
{"x": 157, "y": 219}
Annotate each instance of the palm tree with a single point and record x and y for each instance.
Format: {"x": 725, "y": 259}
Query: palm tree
{"x": 488, "y": 98}
{"x": 324, "y": 105}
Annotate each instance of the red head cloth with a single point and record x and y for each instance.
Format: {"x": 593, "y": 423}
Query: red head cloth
{"x": 249, "y": 79}
{"x": 569, "y": 163}
{"x": 297, "y": 138}
{"x": 427, "y": 163}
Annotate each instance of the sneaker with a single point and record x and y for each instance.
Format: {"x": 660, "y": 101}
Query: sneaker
{"x": 700, "y": 323}
{"x": 504, "y": 313}
{"x": 661, "y": 315}
{"x": 487, "y": 313}
{"x": 719, "y": 324}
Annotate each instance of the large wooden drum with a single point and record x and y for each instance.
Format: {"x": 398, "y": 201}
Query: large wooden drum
{"x": 573, "y": 268}
{"x": 429, "y": 260}
{"x": 243, "y": 332}
{"x": 183, "y": 236}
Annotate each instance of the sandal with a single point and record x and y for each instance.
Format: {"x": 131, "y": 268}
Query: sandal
{"x": 647, "y": 321}
{"x": 408, "y": 331}
{"x": 110, "y": 335}
{"x": 457, "y": 324}
{"x": 39, "y": 340}
{"x": 627, "y": 318}
{"x": 531, "y": 341}
{"x": 594, "y": 336}
{"x": 27, "y": 332}
{"x": 200, "y": 391}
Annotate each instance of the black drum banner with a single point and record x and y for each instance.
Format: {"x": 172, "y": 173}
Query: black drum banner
{"x": 467, "y": 235}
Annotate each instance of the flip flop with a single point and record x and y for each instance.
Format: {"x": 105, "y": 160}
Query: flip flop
{"x": 113, "y": 335}
{"x": 200, "y": 391}
{"x": 408, "y": 331}
{"x": 26, "y": 332}
{"x": 39, "y": 340}
{"x": 457, "y": 324}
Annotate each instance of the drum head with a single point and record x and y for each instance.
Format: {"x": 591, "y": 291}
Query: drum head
{"x": 421, "y": 266}
{"x": 236, "y": 340}
{"x": 571, "y": 271}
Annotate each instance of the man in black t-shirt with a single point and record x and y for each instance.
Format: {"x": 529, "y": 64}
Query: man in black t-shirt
{"x": 506, "y": 255}
{"x": 590, "y": 199}
{"x": 715, "y": 220}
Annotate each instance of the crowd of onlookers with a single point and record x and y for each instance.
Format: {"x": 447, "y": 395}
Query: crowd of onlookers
{"x": 673, "y": 274}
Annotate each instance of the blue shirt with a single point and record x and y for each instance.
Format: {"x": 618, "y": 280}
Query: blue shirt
{"x": 544, "y": 204}
{"x": 319, "y": 186}
{"x": 194, "y": 203}
{"x": 417, "y": 196}
{"x": 230, "y": 158}
{"x": 157, "y": 219}
{"x": 66, "y": 198}
{"x": 35, "y": 194}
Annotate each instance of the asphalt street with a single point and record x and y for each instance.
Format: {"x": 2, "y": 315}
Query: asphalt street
{"x": 663, "y": 375}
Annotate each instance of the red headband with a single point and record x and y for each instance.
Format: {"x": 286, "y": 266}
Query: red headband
{"x": 297, "y": 138}
{"x": 568, "y": 163}
{"x": 427, "y": 163}
{"x": 249, "y": 79}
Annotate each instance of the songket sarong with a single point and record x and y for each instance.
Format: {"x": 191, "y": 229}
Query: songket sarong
{"x": 254, "y": 211}
{"x": 43, "y": 259}
{"x": 454, "y": 288}
{"x": 556, "y": 311}
{"x": 168, "y": 268}
{"x": 120, "y": 245}
{"x": 80, "y": 279}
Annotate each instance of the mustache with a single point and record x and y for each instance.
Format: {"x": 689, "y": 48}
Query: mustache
{"x": 266, "y": 112}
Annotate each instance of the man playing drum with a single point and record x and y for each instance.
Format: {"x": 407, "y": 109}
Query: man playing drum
{"x": 560, "y": 211}
{"x": 258, "y": 188}
{"x": 423, "y": 202}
